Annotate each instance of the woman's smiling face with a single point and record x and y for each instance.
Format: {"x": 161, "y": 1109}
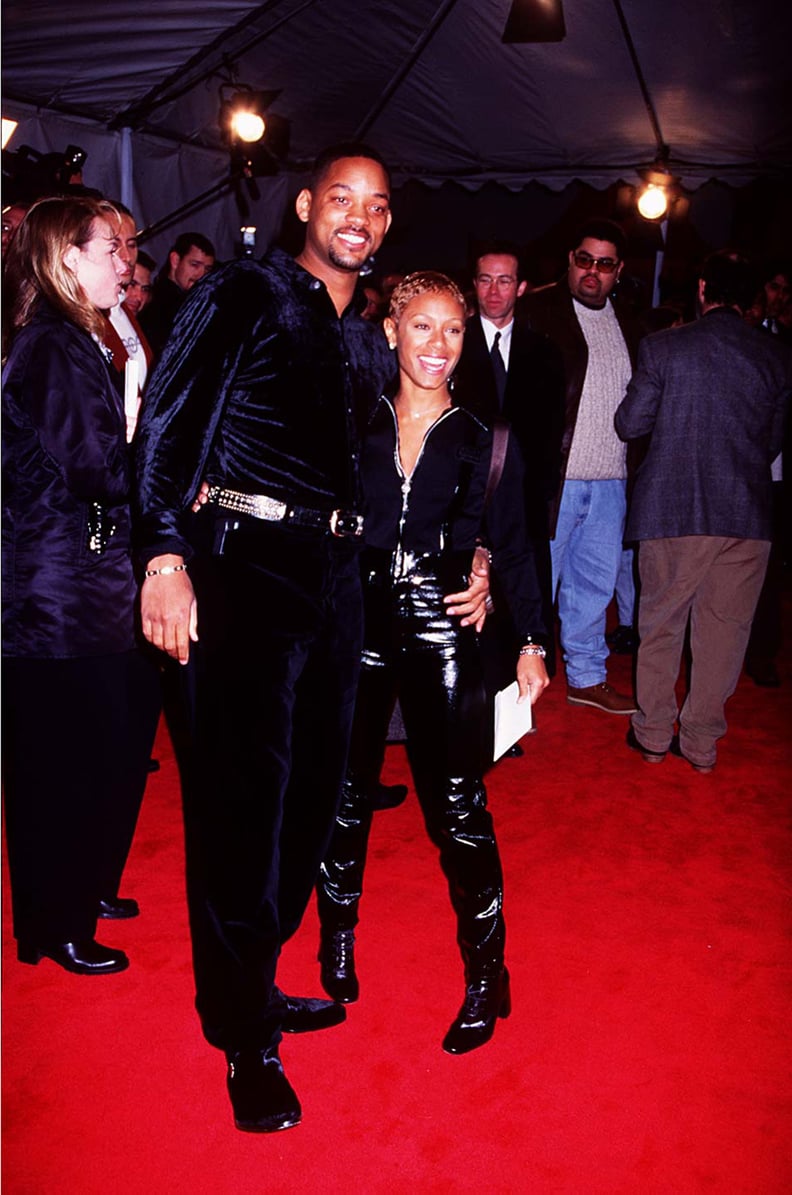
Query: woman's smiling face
{"x": 428, "y": 339}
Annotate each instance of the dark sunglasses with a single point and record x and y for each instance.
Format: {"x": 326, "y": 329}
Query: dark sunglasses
{"x": 603, "y": 265}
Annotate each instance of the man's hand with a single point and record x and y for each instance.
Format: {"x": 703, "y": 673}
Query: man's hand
{"x": 473, "y": 605}
{"x": 168, "y": 610}
{"x": 532, "y": 678}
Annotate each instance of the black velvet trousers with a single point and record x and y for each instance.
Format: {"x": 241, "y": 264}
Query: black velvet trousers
{"x": 271, "y": 691}
{"x": 77, "y": 737}
{"x": 413, "y": 649}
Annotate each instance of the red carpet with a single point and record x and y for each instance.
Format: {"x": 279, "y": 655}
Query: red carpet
{"x": 649, "y": 1051}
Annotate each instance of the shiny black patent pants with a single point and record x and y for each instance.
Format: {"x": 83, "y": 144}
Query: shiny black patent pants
{"x": 270, "y": 696}
{"x": 77, "y": 737}
{"x": 414, "y": 649}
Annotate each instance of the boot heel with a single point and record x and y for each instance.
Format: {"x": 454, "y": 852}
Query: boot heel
{"x": 28, "y": 954}
{"x": 505, "y": 1005}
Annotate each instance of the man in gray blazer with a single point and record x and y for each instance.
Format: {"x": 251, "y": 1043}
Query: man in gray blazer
{"x": 712, "y": 395}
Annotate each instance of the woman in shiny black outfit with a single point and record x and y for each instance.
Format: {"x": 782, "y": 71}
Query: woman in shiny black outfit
{"x": 425, "y": 468}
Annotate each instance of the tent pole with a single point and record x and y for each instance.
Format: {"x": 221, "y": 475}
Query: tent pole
{"x": 659, "y": 258}
{"x": 126, "y": 166}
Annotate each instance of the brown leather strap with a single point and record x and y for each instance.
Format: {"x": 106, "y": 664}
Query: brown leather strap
{"x": 500, "y": 441}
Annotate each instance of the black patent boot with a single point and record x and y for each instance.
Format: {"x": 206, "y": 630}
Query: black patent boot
{"x": 470, "y": 858}
{"x": 486, "y": 999}
{"x": 338, "y": 892}
{"x": 337, "y": 962}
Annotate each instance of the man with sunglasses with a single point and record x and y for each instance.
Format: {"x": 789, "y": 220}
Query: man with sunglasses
{"x": 597, "y": 343}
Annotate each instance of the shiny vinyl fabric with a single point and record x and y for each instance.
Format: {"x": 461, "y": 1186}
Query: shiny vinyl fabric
{"x": 413, "y": 648}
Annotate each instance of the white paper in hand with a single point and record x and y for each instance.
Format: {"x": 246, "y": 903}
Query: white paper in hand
{"x": 512, "y": 721}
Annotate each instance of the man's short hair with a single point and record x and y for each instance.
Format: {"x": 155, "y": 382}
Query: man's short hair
{"x": 143, "y": 259}
{"x": 189, "y": 240}
{"x": 728, "y": 280}
{"x": 600, "y": 229}
{"x": 497, "y": 248}
{"x": 344, "y": 149}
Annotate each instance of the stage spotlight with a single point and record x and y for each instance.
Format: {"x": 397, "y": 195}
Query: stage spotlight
{"x": 242, "y": 112}
{"x": 248, "y": 126}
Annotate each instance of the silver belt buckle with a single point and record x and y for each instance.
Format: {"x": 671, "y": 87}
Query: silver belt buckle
{"x": 268, "y": 508}
{"x": 342, "y": 524}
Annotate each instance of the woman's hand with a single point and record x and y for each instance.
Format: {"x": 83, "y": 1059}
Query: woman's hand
{"x": 532, "y": 678}
{"x": 168, "y": 609}
{"x": 474, "y": 604}
{"x": 201, "y": 498}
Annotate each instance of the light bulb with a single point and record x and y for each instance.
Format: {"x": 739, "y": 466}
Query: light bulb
{"x": 653, "y": 202}
{"x": 248, "y": 126}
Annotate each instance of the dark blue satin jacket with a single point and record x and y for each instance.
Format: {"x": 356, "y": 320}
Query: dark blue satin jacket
{"x": 263, "y": 388}
{"x": 64, "y": 450}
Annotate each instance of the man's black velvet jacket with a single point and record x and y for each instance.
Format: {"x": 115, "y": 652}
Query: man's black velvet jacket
{"x": 262, "y": 388}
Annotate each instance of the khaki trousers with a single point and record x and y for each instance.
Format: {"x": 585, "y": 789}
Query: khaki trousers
{"x": 712, "y": 583}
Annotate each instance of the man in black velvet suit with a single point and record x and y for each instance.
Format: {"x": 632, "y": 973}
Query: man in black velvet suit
{"x": 261, "y": 392}
{"x": 525, "y": 384}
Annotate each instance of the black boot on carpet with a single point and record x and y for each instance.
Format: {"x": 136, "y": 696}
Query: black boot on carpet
{"x": 337, "y": 960}
{"x": 486, "y": 999}
{"x": 387, "y": 796}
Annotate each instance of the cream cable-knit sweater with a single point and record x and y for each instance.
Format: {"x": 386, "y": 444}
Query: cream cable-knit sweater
{"x": 597, "y": 453}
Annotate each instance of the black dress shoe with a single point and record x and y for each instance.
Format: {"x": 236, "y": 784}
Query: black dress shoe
{"x": 636, "y": 745}
{"x": 486, "y": 999}
{"x": 263, "y": 1099}
{"x": 120, "y": 908}
{"x": 301, "y": 1014}
{"x": 387, "y": 796}
{"x": 337, "y": 959}
{"x": 87, "y": 957}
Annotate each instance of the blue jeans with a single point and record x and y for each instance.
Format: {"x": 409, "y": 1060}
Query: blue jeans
{"x": 586, "y": 553}
{"x": 625, "y": 589}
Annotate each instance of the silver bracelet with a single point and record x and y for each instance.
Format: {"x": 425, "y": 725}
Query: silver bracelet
{"x": 166, "y": 570}
{"x": 533, "y": 649}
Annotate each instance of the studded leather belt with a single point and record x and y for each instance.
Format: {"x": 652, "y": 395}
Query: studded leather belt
{"x": 261, "y": 506}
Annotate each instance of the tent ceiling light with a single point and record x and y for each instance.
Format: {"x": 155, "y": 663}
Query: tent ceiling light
{"x": 653, "y": 202}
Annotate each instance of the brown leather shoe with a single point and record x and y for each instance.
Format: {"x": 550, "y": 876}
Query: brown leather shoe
{"x": 602, "y": 697}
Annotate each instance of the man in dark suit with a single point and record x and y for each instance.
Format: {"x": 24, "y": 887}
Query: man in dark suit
{"x": 712, "y": 395}
{"x": 508, "y": 369}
